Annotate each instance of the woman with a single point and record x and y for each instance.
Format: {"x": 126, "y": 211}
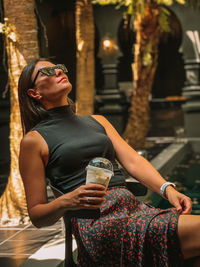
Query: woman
{"x": 59, "y": 144}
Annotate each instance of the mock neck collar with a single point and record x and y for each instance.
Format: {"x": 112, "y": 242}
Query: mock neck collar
{"x": 62, "y": 110}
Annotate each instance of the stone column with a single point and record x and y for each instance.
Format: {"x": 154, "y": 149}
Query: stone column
{"x": 191, "y": 91}
{"x": 110, "y": 101}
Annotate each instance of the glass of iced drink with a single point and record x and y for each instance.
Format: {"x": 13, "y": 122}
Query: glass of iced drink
{"x": 99, "y": 171}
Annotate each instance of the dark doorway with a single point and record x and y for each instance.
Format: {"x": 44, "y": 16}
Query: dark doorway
{"x": 126, "y": 39}
{"x": 170, "y": 75}
{"x": 166, "y": 111}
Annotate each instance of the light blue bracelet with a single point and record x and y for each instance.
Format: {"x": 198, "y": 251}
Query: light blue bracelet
{"x": 164, "y": 186}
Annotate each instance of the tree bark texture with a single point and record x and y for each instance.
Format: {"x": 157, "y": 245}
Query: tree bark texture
{"x": 147, "y": 30}
{"x": 21, "y": 19}
{"x": 85, "y": 67}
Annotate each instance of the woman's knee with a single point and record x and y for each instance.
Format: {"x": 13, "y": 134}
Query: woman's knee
{"x": 189, "y": 235}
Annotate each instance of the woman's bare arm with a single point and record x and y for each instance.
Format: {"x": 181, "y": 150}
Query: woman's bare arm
{"x": 31, "y": 167}
{"x": 141, "y": 169}
{"x": 136, "y": 165}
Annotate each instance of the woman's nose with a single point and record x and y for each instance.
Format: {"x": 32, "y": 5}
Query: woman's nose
{"x": 58, "y": 72}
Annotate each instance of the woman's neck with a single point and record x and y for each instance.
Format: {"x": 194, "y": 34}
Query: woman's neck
{"x": 55, "y": 104}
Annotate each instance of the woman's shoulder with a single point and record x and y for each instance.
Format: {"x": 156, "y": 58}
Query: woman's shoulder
{"x": 32, "y": 139}
{"x": 101, "y": 119}
{"x": 32, "y": 144}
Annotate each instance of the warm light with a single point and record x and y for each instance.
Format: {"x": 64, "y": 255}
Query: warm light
{"x": 80, "y": 45}
{"x": 107, "y": 44}
{"x": 108, "y": 47}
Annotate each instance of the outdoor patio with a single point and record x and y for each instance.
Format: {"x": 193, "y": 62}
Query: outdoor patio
{"x": 99, "y": 45}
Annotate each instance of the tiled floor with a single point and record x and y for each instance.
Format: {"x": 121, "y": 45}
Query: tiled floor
{"x": 27, "y": 246}
{"x": 19, "y": 243}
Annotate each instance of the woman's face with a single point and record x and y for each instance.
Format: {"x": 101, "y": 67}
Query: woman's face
{"x": 50, "y": 88}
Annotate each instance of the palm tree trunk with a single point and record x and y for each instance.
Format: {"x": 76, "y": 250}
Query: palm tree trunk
{"x": 147, "y": 35}
{"x": 20, "y": 19}
{"x": 85, "y": 57}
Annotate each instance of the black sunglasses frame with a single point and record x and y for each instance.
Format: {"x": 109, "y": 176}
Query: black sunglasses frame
{"x": 50, "y": 71}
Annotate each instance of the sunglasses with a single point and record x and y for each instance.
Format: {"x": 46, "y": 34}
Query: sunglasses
{"x": 50, "y": 71}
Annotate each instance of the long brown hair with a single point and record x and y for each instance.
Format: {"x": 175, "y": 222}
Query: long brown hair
{"x": 32, "y": 111}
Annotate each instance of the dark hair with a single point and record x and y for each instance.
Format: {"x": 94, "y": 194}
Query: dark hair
{"x": 32, "y": 111}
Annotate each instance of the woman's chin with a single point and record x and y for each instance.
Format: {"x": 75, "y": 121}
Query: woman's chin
{"x": 68, "y": 88}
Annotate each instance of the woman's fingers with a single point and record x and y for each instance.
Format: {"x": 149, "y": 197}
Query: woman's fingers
{"x": 90, "y": 202}
{"x": 91, "y": 191}
{"x": 94, "y": 200}
{"x": 181, "y": 202}
{"x": 96, "y": 187}
{"x": 186, "y": 204}
{"x": 89, "y": 196}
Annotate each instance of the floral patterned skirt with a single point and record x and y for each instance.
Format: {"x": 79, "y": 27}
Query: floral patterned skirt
{"x": 128, "y": 233}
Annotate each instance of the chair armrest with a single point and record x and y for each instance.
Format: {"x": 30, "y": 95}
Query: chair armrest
{"x": 136, "y": 187}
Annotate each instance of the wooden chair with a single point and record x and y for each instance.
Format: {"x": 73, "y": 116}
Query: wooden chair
{"x": 84, "y": 214}
{"x": 136, "y": 188}
{"x": 69, "y": 261}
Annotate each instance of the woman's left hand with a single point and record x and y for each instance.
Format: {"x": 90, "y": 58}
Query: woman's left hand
{"x": 181, "y": 202}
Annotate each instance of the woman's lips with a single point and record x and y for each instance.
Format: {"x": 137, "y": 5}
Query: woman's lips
{"x": 63, "y": 79}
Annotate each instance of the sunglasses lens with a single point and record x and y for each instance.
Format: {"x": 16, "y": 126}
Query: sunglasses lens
{"x": 62, "y": 67}
{"x": 48, "y": 71}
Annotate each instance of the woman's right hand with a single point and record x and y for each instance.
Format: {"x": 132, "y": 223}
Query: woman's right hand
{"x": 89, "y": 196}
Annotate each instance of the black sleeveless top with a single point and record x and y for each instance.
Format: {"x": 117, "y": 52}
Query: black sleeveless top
{"x": 72, "y": 142}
